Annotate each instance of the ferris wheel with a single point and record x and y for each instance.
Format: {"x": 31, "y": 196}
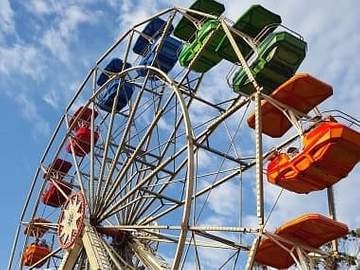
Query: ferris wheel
{"x": 148, "y": 155}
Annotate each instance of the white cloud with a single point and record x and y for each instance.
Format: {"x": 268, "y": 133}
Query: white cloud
{"x": 58, "y": 38}
{"x": 203, "y": 159}
{"x": 6, "y": 17}
{"x": 21, "y": 59}
{"x": 56, "y": 44}
{"x": 131, "y": 13}
{"x": 52, "y": 98}
{"x": 346, "y": 199}
{"x": 224, "y": 200}
{"x": 30, "y": 112}
{"x": 164, "y": 125}
{"x": 41, "y": 6}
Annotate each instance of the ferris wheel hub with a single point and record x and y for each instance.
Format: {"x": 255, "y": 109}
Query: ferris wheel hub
{"x": 71, "y": 220}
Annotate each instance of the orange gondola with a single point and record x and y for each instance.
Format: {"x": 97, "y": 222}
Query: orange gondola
{"x": 313, "y": 230}
{"x": 81, "y": 142}
{"x": 331, "y": 150}
{"x": 36, "y": 228}
{"x": 302, "y": 92}
{"x": 34, "y": 253}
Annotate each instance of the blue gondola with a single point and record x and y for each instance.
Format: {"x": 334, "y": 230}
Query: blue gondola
{"x": 167, "y": 57}
{"x": 153, "y": 30}
{"x": 107, "y": 96}
{"x": 114, "y": 66}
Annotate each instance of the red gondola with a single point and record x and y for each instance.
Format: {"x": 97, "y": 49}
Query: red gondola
{"x": 35, "y": 229}
{"x": 82, "y": 117}
{"x": 313, "y": 230}
{"x": 81, "y": 142}
{"x": 34, "y": 253}
{"x": 302, "y": 92}
{"x": 58, "y": 169}
{"x": 331, "y": 150}
{"x": 53, "y": 197}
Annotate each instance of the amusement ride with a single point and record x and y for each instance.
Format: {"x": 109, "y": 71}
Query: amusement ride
{"x": 129, "y": 177}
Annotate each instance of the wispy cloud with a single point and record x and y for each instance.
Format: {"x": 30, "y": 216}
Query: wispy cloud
{"x": 30, "y": 112}
{"x": 21, "y": 59}
{"x": 132, "y": 12}
{"x": 42, "y": 7}
{"x": 52, "y": 98}
{"x": 6, "y": 17}
{"x": 59, "y": 37}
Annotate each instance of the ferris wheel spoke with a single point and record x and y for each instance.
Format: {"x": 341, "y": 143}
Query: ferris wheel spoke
{"x": 91, "y": 183}
{"x": 233, "y": 136}
{"x": 75, "y": 161}
{"x": 107, "y": 143}
{"x": 127, "y": 146}
{"x": 171, "y": 141}
{"x": 78, "y": 173}
{"x": 139, "y": 185}
{"x": 102, "y": 191}
{"x": 170, "y": 173}
{"x": 170, "y": 239}
{"x": 208, "y": 240}
{"x": 150, "y": 166}
{"x": 205, "y": 134}
{"x": 205, "y": 190}
{"x": 135, "y": 153}
{"x": 221, "y": 181}
{"x": 222, "y": 154}
{"x": 143, "y": 206}
{"x": 146, "y": 203}
{"x": 57, "y": 186}
{"x": 160, "y": 191}
{"x": 143, "y": 87}
{"x": 222, "y": 240}
{"x": 51, "y": 226}
{"x": 199, "y": 228}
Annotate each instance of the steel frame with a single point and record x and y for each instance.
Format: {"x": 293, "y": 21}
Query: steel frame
{"x": 100, "y": 196}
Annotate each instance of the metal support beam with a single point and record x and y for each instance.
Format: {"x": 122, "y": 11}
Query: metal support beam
{"x": 70, "y": 257}
{"x": 332, "y": 213}
{"x": 95, "y": 251}
{"x": 258, "y": 142}
{"x": 147, "y": 257}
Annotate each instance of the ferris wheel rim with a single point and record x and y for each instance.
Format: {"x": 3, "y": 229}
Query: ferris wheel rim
{"x": 190, "y": 153}
{"x": 184, "y": 228}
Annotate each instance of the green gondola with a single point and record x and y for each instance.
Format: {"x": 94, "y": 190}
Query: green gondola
{"x": 207, "y": 57}
{"x": 256, "y": 21}
{"x": 185, "y": 29}
{"x": 218, "y": 47}
{"x": 279, "y": 56}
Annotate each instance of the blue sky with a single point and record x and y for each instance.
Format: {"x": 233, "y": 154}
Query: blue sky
{"x": 47, "y": 47}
